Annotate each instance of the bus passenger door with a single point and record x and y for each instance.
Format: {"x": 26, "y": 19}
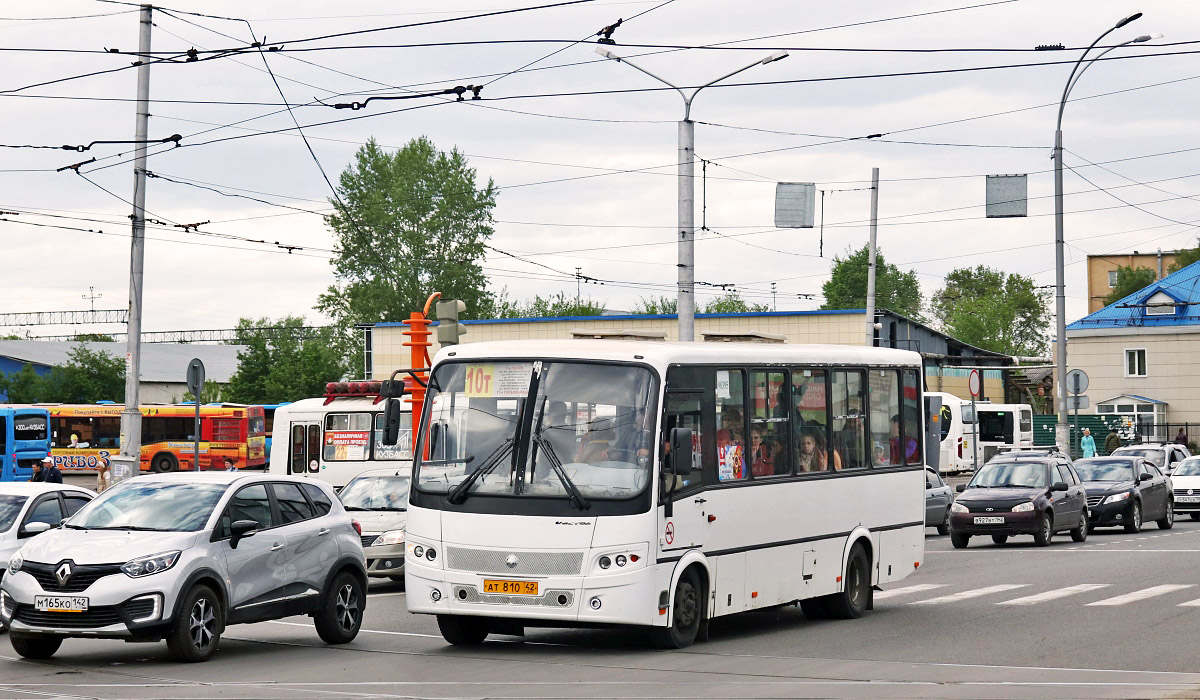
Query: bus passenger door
{"x": 682, "y": 515}
{"x": 304, "y": 455}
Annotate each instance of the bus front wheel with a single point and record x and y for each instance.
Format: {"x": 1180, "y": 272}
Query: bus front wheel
{"x": 687, "y": 612}
{"x": 855, "y": 596}
{"x": 164, "y": 462}
{"x": 463, "y": 630}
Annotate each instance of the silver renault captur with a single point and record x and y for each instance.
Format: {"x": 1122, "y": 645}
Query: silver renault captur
{"x": 181, "y": 556}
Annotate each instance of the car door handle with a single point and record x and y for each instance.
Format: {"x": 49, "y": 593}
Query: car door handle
{"x": 277, "y": 546}
{"x": 322, "y": 532}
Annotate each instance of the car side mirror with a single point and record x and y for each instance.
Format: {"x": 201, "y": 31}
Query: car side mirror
{"x": 960, "y": 488}
{"x": 391, "y": 421}
{"x": 928, "y": 485}
{"x": 32, "y": 529}
{"x": 1145, "y": 477}
{"x": 240, "y": 530}
{"x": 1059, "y": 486}
{"x": 681, "y": 451}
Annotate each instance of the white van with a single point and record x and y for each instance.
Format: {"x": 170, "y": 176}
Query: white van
{"x": 337, "y": 438}
{"x": 955, "y": 453}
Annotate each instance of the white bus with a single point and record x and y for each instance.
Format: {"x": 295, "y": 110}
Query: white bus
{"x": 593, "y": 482}
{"x": 337, "y": 438}
{"x": 1003, "y": 426}
{"x": 955, "y": 452}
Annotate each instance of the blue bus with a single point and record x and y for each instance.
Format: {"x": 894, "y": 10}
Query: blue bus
{"x": 24, "y": 441}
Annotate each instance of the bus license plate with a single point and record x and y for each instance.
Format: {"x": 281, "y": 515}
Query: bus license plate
{"x": 491, "y": 585}
{"x": 53, "y": 603}
{"x": 989, "y": 520}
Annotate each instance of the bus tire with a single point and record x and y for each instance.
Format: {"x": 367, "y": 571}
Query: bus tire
{"x": 855, "y": 595}
{"x": 815, "y": 608}
{"x": 164, "y": 462}
{"x": 461, "y": 630}
{"x": 687, "y": 612}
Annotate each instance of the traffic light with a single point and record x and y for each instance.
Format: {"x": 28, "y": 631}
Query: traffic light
{"x": 449, "y": 330}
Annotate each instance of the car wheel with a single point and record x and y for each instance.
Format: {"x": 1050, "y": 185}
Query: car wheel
{"x": 687, "y": 612}
{"x": 35, "y": 647}
{"x": 959, "y": 541}
{"x": 1080, "y": 533}
{"x": 164, "y": 462}
{"x": 1045, "y": 531}
{"x": 341, "y": 612}
{"x": 195, "y": 635}
{"x": 1134, "y": 523}
{"x": 1168, "y": 519}
{"x": 855, "y": 596}
{"x": 461, "y": 630}
{"x": 944, "y": 528}
{"x": 1000, "y": 539}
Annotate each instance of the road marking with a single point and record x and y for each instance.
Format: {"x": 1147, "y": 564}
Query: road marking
{"x": 1191, "y": 604}
{"x": 920, "y": 587}
{"x": 1143, "y": 594}
{"x": 1055, "y": 594}
{"x": 383, "y": 595}
{"x": 396, "y": 634}
{"x": 974, "y": 593}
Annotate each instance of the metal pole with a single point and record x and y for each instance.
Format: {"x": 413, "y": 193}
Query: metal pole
{"x": 196, "y": 429}
{"x": 1062, "y": 433}
{"x": 687, "y": 231}
{"x": 975, "y": 432}
{"x": 131, "y": 416}
{"x": 871, "y": 257}
{"x": 1075, "y": 419}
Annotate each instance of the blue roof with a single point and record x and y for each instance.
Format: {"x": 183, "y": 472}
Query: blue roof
{"x": 1182, "y": 286}
{"x": 1135, "y": 397}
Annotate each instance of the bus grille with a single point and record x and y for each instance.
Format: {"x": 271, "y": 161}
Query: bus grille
{"x": 528, "y": 563}
{"x": 550, "y": 599}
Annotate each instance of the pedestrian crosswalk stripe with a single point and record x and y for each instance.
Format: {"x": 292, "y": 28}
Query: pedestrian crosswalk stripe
{"x": 918, "y": 588}
{"x": 1142, "y": 594}
{"x": 1054, "y": 594}
{"x": 973, "y": 593}
{"x": 1191, "y": 604}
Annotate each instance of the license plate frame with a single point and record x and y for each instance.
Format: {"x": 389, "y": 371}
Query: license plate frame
{"x": 1187, "y": 499}
{"x": 61, "y": 603}
{"x": 989, "y": 519}
{"x": 501, "y": 586}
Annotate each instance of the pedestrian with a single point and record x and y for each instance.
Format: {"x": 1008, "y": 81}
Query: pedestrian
{"x": 1181, "y": 438}
{"x": 1112, "y": 442}
{"x": 46, "y": 472}
{"x": 229, "y": 465}
{"x": 103, "y": 480}
{"x": 1087, "y": 444}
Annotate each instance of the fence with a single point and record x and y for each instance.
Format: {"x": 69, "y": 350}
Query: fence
{"x": 1131, "y": 432}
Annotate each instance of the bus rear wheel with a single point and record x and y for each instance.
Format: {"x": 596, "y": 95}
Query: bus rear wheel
{"x": 164, "y": 462}
{"x": 687, "y": 612}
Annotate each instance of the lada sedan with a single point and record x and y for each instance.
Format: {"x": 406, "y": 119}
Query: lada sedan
{"x": 1036, "y": 496}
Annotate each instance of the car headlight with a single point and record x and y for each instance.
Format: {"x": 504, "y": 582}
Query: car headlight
{"x": 15, "y": 563}
{"x": 144, "y": 566}
{"x": 390, "y": 537}
{"x": 1023, "y": 507}
{"x": 1116, "y": 498}
{"x": 958, "y": 508}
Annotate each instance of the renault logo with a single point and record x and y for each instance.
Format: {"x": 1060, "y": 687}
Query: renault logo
{"x": 511, "y": 561}
{"x": 63, "y": 573}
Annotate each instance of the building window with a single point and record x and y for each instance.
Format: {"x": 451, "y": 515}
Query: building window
{"x": 1135, "y": 363}
{"x": 1160, "y": 305}
{"x": 1105, "y": 408}
{"x": 368, "y": 354}
{"x": 1112, "y": 279}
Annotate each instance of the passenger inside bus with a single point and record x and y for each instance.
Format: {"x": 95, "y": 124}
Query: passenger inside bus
{"x": 813, "y": 455}
{"x": 762, "y": 460}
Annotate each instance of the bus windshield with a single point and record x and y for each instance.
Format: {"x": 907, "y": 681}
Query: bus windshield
{"x": 551, "y": 429}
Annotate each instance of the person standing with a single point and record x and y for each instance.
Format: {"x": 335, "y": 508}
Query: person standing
{"x": 1112, "y": 441}
{"x": 1181, "y": 438}
{"x": 46, "y": 472}
{"x": 1087, "y": 444}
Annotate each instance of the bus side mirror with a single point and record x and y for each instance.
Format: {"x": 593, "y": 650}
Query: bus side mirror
{"x": 681, "y": 451}
{"x": 391, "y": 421}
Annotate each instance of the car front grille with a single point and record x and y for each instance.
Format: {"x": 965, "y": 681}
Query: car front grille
{"x": 1187, "y": 492}
{"x": 100, "y": 616}
{"x": 523, "y": 563}
{"x": 989, "y": 509}
{"x": 368, "y": 540}
{"x": 82, "y": 576}
{"x": 1095, "y": 500}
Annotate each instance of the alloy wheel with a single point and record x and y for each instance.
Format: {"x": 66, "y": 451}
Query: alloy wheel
{"x": 202, "y": 623}
{"x": 347, "y": 607}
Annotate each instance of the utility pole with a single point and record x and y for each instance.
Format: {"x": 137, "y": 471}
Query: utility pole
{"x": 131, "y": 417}
{"x": 92, "y": 296}
{"x": 871, "y": 257}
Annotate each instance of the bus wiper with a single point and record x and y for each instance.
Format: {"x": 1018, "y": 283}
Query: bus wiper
{"x": 458, "y": 494}
{"x": 577, "y": 498}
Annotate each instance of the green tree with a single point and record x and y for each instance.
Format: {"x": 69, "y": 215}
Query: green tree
{"x": 994, "y": 310}
{"x": 1185, "y": 257}
{"x": 1130, "y": 280}
{"x": 655, "y": 306}
{"x": 407, "y": 224}
{"x": 732, "y": 303}
{"x": 283, "y": 361}
{"x": 213, "y": 392}
{"x": 894, "y": 290}
{"x": 24, "y": 386}
{"x": 89, "y": 376}
{"x": 94, "y": 338}
{"x": 556, "y": 305}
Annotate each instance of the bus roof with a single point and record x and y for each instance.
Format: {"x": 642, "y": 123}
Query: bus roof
{"x": 89, "y": 410}
{"x": 340, "y": 404}
{"x": 665, "y": 353}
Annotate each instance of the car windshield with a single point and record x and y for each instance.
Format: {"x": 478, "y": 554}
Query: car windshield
{"x": 1153, "y": 454}
{"x": 585, "y": 430}
{"x": 150, "y": 505}
{"x": 382, "y": 492}
{"x": 1104, "y": 469}
{"x": 10, "y": 508}
{"x": 1015, "y": 473}
{"x": 1188, "y": 467}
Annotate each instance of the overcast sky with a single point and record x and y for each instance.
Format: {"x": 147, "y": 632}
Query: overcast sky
{"x": 566, "y": 199}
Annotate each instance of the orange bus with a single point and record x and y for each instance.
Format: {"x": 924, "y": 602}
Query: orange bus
{"x": 83, "y": 436}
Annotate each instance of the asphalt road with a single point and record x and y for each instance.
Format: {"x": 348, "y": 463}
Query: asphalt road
{"x": 1114, "y": 617}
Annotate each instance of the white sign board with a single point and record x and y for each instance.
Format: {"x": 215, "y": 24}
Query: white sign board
{"x": 1077, "y": 403}
{"x": 1007, "y": 196}
{"x": 795, "y": 203}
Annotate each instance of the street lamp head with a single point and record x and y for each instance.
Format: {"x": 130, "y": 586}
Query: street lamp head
{"x": 607, "y": 54}
{"x": 777, "y": 56}
{"x": 1147, "y": 37}
{"x": 1127, "y": 20}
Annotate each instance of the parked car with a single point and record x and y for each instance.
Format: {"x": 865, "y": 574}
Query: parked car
{"x": 181, "y": 556}
{"x": 1036, "y": 496}
{"x": 379, "y": 501}
{"x": 1185, "y": 481}
{"x": 1125, "y": 490}
{"x": 1054, "y": 452}
{"x": 1164, "y": 456}
{"x": 28, "y": 509}
{"x": 938, "y": 497}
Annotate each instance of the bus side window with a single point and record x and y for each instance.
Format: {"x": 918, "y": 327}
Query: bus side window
{"x": 731, "y": 421}
{"x": 298, "y": 463}
{"x": 314, "y": 448}
{"x": 848, "y": 402}
{"x": 769, "y": 450}
{"x": 911, "y": 414}
{"x": 810, "y": 422}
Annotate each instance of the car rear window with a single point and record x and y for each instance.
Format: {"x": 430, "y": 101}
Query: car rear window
{"x": 319, "y": 499}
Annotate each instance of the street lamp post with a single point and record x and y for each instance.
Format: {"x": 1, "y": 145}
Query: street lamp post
{"x": 1062, "y": 432}
{"x": 686, "y": 305}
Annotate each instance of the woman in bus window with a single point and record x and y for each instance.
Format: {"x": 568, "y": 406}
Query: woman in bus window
{"x": 763, "y": 461}
{"x": 813, "y": 455}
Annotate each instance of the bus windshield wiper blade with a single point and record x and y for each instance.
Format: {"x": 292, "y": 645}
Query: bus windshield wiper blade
{"x": 577, "y": 498}
{"x": 458, "y": 494}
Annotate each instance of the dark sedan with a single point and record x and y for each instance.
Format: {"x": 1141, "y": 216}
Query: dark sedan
{"x": 1123, "y": 491}
{"x": 1036, "y": 496}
